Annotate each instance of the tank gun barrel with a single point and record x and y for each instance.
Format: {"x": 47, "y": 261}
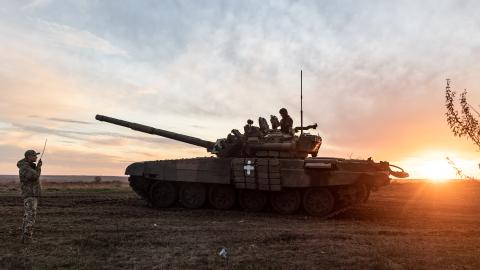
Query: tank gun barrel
{"x": 156, "y": 131}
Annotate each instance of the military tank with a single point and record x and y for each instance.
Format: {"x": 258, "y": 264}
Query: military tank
{"x": 263, "y": 166}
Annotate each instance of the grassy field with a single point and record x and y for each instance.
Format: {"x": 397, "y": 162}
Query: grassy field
{"x": 106, "y": 226}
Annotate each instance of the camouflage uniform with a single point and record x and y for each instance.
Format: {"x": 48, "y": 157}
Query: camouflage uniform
{"x": 30, "y": 185}
{"x": 286, "y": 123}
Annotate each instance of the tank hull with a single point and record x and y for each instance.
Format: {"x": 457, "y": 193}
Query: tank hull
{"x": 322, "y": 186}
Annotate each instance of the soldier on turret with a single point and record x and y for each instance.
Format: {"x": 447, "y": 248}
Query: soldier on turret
{"x": 274, "y": 121}
{"x": 248, "y": 127}
{"x": 286, "y": 123}
{"x": 252, "y": 131}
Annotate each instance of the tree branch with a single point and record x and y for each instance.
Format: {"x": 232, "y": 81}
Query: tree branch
{"x": 463, "y": 124}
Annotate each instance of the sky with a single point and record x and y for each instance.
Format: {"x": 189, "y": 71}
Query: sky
{"x": 373, "y": 78}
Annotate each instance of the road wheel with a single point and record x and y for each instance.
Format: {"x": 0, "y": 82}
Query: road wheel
{"x": 140, "y": 185}
{"x": 221, "y": 196}
{"x": 368, "y": 195}
{"x": 252, "y": 200}
{"x": 318, "y": 201}
{"x": 286, "y": 202}
{"x": 163, "y": 194}
{"x": 192, "y": 195}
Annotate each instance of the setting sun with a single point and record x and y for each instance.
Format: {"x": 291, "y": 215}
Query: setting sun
{"x": 436, "y": 170}
{"x": 434, "y": 166}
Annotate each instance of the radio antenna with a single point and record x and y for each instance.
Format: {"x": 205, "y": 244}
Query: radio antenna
{"x": 43, "y": 150}
{"x": 301, "y": 102}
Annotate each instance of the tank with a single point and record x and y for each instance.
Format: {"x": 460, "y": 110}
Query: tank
{"x": 261, "y": 168}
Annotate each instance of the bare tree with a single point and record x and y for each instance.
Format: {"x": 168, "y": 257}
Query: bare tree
{"x": 463, "y": 124}
{"x": 458, "y": 171}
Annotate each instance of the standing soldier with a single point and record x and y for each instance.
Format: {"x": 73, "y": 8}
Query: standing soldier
{"x": 30, "y": 184}
{"x": 286, "y": 123}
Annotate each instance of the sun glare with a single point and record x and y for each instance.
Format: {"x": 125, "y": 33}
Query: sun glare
{"x": 435, "y": 167}
{"x": 437, "y": 170}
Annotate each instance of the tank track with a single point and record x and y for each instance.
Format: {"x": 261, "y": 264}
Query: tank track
{"x": 324, "y": 202}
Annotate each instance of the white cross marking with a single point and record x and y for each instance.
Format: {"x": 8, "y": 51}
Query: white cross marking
{"x": 248, "y": 167}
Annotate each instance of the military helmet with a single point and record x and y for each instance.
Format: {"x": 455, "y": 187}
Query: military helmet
{"x": 31, "y": 153}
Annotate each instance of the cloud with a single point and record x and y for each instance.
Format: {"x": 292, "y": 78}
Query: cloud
{"x": 36, "y": 4}
{"x": 87, "y": 135}
{"x": 11, "y": 154}
{"x": 70, "y": 37}
{"x": 30, "y": 86}
{"x": 69, "y": 121}
{"x": 373, "y": 71}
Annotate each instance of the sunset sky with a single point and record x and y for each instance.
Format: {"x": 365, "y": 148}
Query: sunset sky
{"x": 373, "y": 77}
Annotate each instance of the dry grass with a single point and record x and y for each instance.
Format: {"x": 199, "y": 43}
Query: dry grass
{"x": 105, "y": 226}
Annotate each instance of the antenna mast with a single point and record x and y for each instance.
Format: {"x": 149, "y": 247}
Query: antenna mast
{"x": 301, "y": 102}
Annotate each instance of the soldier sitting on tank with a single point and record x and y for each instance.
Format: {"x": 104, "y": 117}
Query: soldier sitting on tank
{"x": 248, "y": 126}
{"x": 252, "y": 131}
{"x": 286, "y": 123}
{"x": 263, "y": 124}
{"x": 234, "y": 136}
{"x": 237, "y": 134}
{"x": 274, "y": 121}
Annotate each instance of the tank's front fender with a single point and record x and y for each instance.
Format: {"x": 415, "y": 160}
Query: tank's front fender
{"x": 136, "y": 168}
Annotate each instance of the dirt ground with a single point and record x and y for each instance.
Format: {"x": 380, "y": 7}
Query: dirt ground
{"x": 106, "y": 226}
